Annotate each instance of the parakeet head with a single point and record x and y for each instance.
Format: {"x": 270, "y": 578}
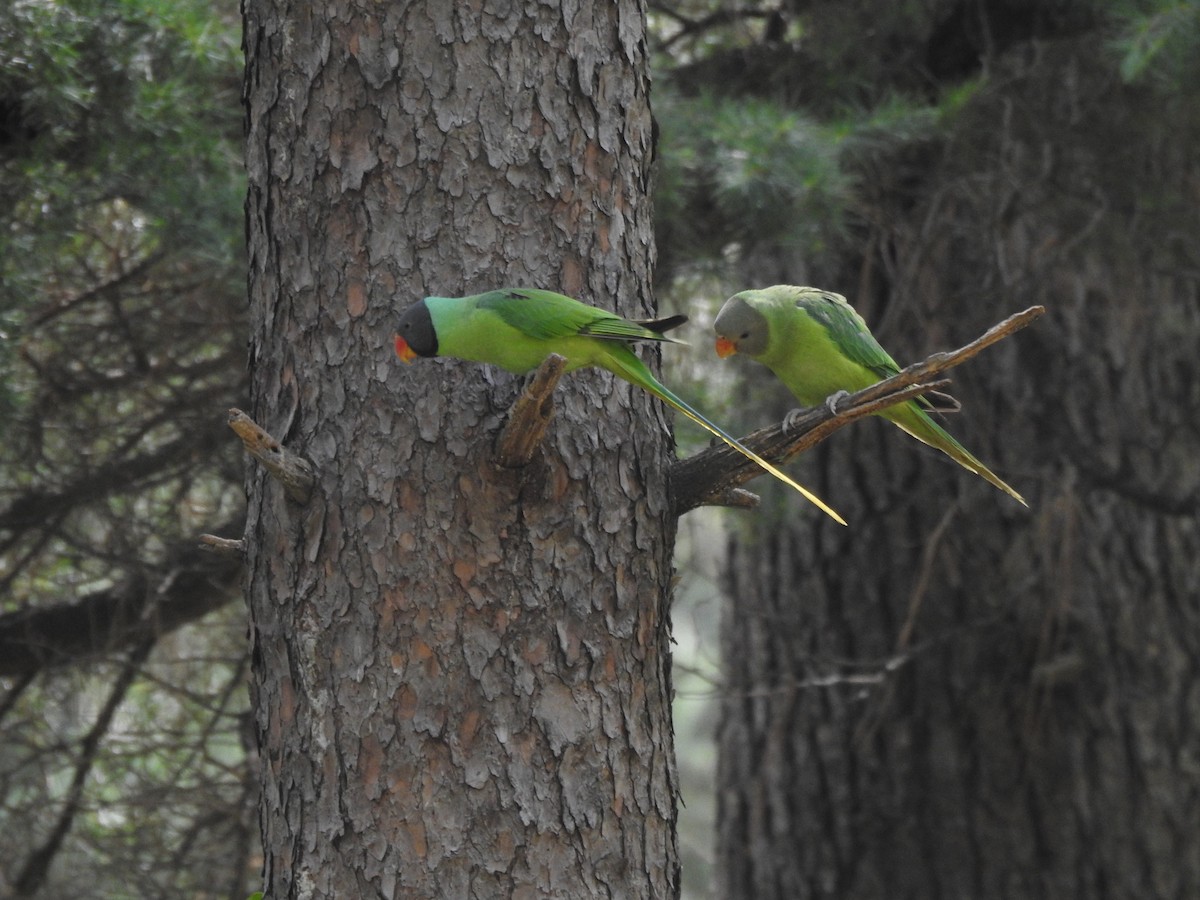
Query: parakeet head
{"x": 415, "y": 334}
{"x": 740, "y": 327}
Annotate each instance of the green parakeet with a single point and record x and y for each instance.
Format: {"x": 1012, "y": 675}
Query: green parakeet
{"x": 516, "y": 329}
{"x": 817, "y": 345}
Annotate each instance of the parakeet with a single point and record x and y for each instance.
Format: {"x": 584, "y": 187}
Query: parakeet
{"x": 817, "y": 345}
{"x": 516, "y": 329}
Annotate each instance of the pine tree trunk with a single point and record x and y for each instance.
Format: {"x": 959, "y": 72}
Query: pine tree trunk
{"x": 955, "y": 697}
{"x": 461, "y": 672}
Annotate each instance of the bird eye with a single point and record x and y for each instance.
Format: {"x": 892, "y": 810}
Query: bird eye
{"x": 745, "y": 334}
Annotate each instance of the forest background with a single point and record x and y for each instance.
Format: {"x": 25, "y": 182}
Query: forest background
{"x": 943, "y": 163}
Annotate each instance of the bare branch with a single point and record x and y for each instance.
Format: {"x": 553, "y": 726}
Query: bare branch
{"x": 35, "y": 507}
{"x": 940, "y": 362}
{"x": 734, "y": 498}
{"x": 148, "y": 604}
{"x": 689, "y": 28}
{"x": 708, "y": 477}
{"x": 531, "y": 415}
{"x": 227, "y": 547}
{"x": 701, "y": 480}
{"x": 290, "y": 469}
{"x": 32, "y": 874}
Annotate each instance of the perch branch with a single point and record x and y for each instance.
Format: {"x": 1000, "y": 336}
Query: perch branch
{"x": 707, "y": 477}
{"x": 291, "y": 470}
{"x": 530, "y": 416}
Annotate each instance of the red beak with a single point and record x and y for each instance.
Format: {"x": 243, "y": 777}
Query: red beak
{"x": 405, "y": 352}
{"x": 725, "y": 347}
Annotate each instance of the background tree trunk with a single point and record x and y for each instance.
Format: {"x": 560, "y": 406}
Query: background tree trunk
{"x": 955, "y": 697}
{"x": 461, "y": 672}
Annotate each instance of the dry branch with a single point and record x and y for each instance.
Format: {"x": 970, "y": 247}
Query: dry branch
{"x": 227, "y": 547}
{"x": 291, "y": 470}
{"x": 151, "y": 602}
{"x": 531, "y": 415}
{"x": 707, "y": 478}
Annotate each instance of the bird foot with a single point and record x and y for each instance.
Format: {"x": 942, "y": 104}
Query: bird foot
{"x": 791, "y": 418}
{"x": 832, "y": 401}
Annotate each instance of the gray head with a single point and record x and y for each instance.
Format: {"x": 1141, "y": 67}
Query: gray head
{"x": 740, "y": 327}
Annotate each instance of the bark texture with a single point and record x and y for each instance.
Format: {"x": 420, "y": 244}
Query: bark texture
{"x": 461, "y": 671}
{"x": 955, "y": 697}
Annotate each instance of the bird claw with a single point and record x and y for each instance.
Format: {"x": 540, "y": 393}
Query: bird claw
{"x": 790, "y": 419}
{"x": 832, "y": 401}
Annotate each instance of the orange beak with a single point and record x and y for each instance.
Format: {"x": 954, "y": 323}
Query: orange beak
{"x": 405, "y": 352}
{"x": 725, "y": 347}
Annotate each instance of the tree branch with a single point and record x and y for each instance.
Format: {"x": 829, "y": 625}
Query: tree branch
{"x": 707, "y": 478}
{"x": 35, "y": 507}
{"x": 228, "y": 547}
{"x": 530, "y": 416}
{"x": 190, "y": 584}
{"x": 33, "y": 873}
{"x": 290, "y": 469}
{"x": 692, "y": 27}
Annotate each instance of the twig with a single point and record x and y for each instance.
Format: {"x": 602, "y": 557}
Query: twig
{"x": 708, "y": 477}
{"x": 940, "y": 362}
{"x": 691, "y": 27}
{"x": 291, "y": 470}
{"x": 530, "y": 416}
{"x": 702, "y": 479}
{"x": 227, "y": 547}
{"x": 33, "y": 873}
{"x": 734, "y": 498}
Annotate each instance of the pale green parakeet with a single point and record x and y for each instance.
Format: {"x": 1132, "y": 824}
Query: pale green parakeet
{"x": 818, "y": 346}
{"x": 516, "y": 329}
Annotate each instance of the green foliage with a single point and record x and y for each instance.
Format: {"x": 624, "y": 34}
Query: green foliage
{"x": 785, "y": 147}
{"x": 738, "y": 174}
{"x": 1159, "y": 42}
{"x": 115, "y": 116}
{"x": 122, "y": 334}
{"x": 744, "y": 175}
{"x": 164, "y": 812}
{"x": 120, "y": 151}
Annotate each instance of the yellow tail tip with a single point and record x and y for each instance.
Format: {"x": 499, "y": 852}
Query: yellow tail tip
{"x": 812, "y": 498}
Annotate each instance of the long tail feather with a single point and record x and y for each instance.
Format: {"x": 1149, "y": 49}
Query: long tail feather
{"x": 635, "y": 373}
{"x": 751, "y": 455}
{"x": 929, "y": 432}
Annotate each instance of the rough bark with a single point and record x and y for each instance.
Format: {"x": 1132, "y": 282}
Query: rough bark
{"x": 955, "y": 697}
{"x": 461, "y": 671}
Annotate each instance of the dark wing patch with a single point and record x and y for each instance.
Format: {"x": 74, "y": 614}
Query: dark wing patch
{"x": 663, "y": 325}
{"x": 614, "y": 328}
{"x": 546, "y": 315}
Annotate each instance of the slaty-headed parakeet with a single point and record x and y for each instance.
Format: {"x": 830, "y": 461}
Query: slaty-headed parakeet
{"x": 818, "y": 346}
{"x": 516, "y": 329}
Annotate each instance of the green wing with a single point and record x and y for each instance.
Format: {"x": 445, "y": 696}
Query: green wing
{"x": 546, "y": 315}
{"x": 848, "y": 331}
{"x": 617, "y": 329}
